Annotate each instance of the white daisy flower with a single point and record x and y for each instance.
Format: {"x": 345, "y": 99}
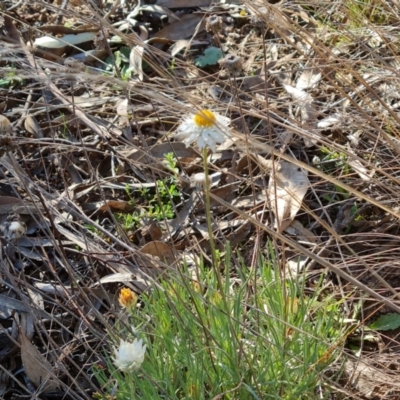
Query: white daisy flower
{"x": 129, "y": 356}
{"x": 205, "y": 128}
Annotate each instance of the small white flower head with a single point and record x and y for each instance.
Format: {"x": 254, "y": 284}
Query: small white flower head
{"x": 198, "y": 180}
{"x": 129, "y": 356}
{"x": 205, "y": 128}
{"x": 16, "y": 229}
{"x": 13, "y": 230}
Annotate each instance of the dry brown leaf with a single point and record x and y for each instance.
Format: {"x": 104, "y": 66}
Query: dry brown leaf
{"x": 64, "y": 30}
{"x": 185, "y": 43}
{"x": 8, "y": 305}
{"x": 249, "y": 201}
{"x": 12, "y": 33}
{"x": 183, "y": 3}
{"x": 158, "y": 9}
{"x": 161, "y": 250}
{"x": 10, "y": 204}
{"x": 32, "y": 126}
{"x": 158, "y": 151}
{"x": 153, "y": 230}
{"x": 184, "y": 28}
{"x": 287, "y": 187}
{"x": 182, "y": 218}
{"x": 36, "y": 366}
{"x": 222, "y": 192}
{"x": 302, "y": 233}
{"x": 119, "y": 205}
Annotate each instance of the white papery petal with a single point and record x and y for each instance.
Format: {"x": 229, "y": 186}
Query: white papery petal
{"x": 129, "y": 356}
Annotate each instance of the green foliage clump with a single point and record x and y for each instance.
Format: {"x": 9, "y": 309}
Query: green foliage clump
{"x": 259, "y": 339}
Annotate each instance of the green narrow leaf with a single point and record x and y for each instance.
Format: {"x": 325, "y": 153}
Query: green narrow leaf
{"x": 386, "y": 322}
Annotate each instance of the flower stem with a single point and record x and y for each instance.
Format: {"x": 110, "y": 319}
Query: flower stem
{"x": 207, "y": 185}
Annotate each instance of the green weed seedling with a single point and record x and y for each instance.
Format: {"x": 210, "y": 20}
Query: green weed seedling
{"x": 11, "y": 79}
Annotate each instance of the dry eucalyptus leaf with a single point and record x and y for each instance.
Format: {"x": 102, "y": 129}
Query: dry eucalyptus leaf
{"x": 308, "y": 78}
{"x": 9, "y": 304}
{"x": 153, "y": 230}
{"x": 27, "y": 325}
{"x": 52, "y": 43}
{"x": 182, "y": 29}
{"x": 302, "y": 233}
{"x": 161, "y": 250}
{"x": 327, "y": 122}
{"x": 117, "y": 277}
{"x": 136, "y": 61}
{"x": 36, "y": 366}
{"x": 182, "y": 218}
{"x": 158, "y": 9}
{"x": 185, "y": 43}
{"x": 10, "y": 204}
{"x": 32, "y": 126}
{"x": 12, "y": 32}
{"x": 122, "y": 110}
{"x": 361, "y": 169}
{"x": 287, "y": 187}
{"x": 303, "y": 100}
{"x": 183, "y": 3}
{"x": 117, "y": 205}
{"x": 159, "y": 150}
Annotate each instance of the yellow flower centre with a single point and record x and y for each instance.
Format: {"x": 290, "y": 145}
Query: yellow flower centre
{"x": 127, "y": 298}
{"x": 204, "y": 119}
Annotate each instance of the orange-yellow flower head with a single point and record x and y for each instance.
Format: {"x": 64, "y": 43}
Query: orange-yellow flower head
{"x": 127, "y": 298}
{"x": 204, "y": 119}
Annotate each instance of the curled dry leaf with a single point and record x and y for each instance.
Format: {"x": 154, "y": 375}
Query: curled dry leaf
{"x": 287, "y": 187}
{"x": 52, "y": 43}
{"x": 136, "y": 61}
{"x": 309, "y": 78}
{"x": 36, "y": 366}
{"x": 303, "y": 100}
{"x": 33, "y": 127}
